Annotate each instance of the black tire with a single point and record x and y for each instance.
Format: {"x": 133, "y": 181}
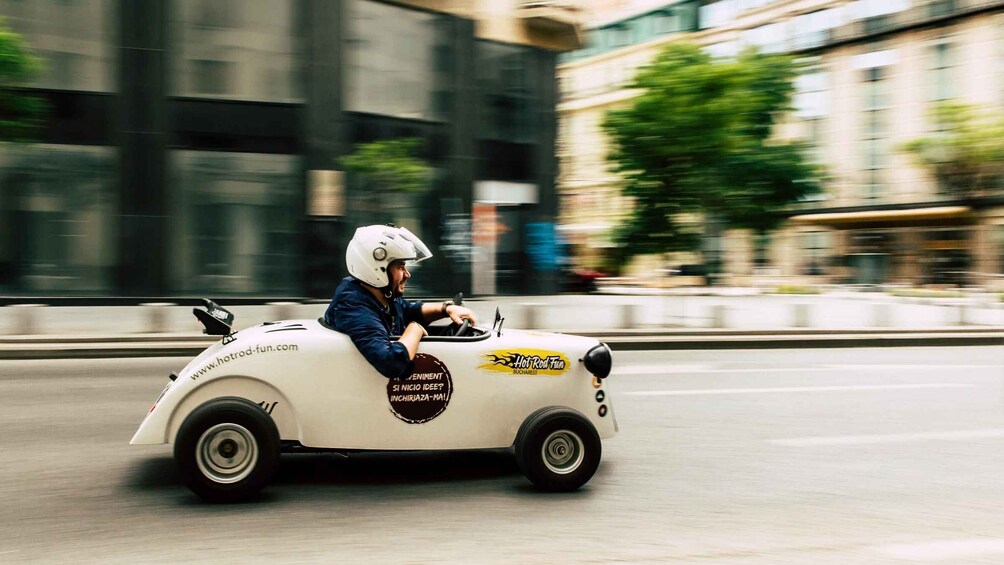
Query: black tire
{"x": 220, "y": 428}
{"x": 558, "y": 449}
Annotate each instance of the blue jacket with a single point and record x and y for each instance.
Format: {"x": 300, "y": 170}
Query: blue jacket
{"x": 356, "y": 312}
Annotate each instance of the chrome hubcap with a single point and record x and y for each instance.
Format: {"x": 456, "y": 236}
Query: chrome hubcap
{"x": 226, "y": 453}
{"x": 563, "y": 452}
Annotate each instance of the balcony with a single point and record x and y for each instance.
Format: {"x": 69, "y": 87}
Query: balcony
{"x": 560, "y": 20}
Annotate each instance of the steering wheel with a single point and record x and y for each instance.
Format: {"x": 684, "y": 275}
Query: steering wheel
{"x": 454, "y": 330}
{"x": 461, "y": 329}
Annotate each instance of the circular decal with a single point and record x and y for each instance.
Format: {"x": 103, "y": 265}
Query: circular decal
{"x": 603, "y": 410}
{"x": 425, "y": 394}
{"x": 600, "y": 395}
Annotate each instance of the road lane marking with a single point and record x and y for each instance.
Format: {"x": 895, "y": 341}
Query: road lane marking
{"x": 910, "y": 366}
{"x": 695, "y": 369}
{"x": 943, "y": 550}
{"x": 657, "y": 369}
{"x": 772, "y": 390}
{"x": 959, "y": 435}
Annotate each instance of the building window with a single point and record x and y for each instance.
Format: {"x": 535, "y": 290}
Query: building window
{"x": 874, "y": 117}
{"x": 77, "y": 42}
{"x": 58, "y": 218}
{"x": 811, "y": 102}
{"x": 815, "y": 252}
{"x": 235, "y": 50}
{"x": 761, "y": 250}
{"x": 812, "y": 30}
{"x": 238, "y": 222}
{"x": 396, "y": 61}
{"x": 942, "y": 70}
{"x": 508, "y": 88}
{"x": 212, "y": 78}
{"x": 665, "y": 21}
{"x": 770, "y": 38}
{"x": 941, "y": 7}
{"x": 620, "y": 35}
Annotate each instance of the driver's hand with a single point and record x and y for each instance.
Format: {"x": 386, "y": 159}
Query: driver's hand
{"x": 458, "y": 314}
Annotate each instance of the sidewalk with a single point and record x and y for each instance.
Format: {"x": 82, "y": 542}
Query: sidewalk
{"x": 680, "y": 319}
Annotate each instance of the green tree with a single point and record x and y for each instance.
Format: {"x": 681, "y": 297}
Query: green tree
{"x": 389, "y": 172}
{"x": 697, "y": 141}
{"x": 21, "y": 114}
{"x": 966, "y": 156}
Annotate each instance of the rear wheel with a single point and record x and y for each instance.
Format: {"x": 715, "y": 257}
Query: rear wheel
{"x": 227, "y": 449}
{"x": 558, "y": 449}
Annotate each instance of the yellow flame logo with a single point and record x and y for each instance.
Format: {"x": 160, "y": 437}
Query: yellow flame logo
{"x": 526, "y": 362}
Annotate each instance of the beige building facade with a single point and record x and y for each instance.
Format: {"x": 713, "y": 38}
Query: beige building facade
{"x": 873, "y": 72}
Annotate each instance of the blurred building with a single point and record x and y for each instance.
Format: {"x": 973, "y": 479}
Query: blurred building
{"x": 192, "y": 145}
{"x": 874, "y": 71}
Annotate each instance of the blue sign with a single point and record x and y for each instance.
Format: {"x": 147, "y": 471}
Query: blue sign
{"x": 542, "y": 246}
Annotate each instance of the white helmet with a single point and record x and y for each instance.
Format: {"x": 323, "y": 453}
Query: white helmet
{"x": 373, "y": 248}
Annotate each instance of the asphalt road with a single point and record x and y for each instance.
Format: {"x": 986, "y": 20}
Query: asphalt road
{"x": 724, "y": 457}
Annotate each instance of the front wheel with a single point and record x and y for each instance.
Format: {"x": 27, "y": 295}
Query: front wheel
{"x": 558, "y": 449}
{"x": 227, "y": 449}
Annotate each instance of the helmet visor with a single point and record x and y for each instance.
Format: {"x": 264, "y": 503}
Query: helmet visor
{"x": 421, "y": 251}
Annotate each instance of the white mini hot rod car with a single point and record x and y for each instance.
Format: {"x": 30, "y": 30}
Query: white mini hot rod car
{"x": 298, "y": 385}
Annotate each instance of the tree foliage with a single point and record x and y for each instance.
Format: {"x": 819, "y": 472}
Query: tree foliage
{"x": 20, "y": 114}
{"x": 697, "y": 140}
{"x": 389, "y": 166}
{"x": 967, "y": 155}
{"x": 388, "y": 172}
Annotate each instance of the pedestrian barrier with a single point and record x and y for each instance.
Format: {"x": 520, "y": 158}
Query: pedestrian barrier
{"x": 283, "y": 310}
{"x": 156, "y": 316}
{"x": 801, "y": 315}
{"x": 27, "y": 318}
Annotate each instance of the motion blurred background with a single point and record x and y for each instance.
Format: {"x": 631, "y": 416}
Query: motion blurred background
{"x": 171, "y": 148}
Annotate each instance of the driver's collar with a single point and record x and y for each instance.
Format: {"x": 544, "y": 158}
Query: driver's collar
{"x": 382, "y": 301}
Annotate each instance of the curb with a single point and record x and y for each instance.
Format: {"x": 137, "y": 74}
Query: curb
{"x": 190, "y": 345}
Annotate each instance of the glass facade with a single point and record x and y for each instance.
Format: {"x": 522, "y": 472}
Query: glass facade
{"x": 195, "y": 178}
{"x": 236, "y": 49}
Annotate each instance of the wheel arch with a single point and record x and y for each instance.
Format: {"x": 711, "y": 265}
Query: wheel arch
{"x": 255, "y": 390}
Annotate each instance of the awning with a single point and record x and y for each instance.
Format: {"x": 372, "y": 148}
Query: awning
{"x": 884, "y": 216}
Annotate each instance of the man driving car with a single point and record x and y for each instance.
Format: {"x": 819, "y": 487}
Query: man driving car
{"x": 369, "y": 306}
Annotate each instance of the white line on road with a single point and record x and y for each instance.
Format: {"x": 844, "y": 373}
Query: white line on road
{"x": 989, "y": 433}
{"x": 770, "y": 390}
{"x": 659, "y": 369}
{"x": 943, "y": 550}
{"x": 693, "y": 369}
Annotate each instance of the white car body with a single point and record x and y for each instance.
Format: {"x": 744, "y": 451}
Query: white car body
{"x": 472, "y": 392}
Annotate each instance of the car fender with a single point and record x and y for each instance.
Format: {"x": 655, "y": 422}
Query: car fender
{"x": 273, "y": 402}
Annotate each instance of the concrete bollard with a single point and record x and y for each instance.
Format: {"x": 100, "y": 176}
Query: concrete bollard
{"x": 882, "y": 315}
{"x": 801, "y": 315}
{"x": 719, "y": 316}
{"x": 628, "y": 318}
{"x": 282, "y": 310}
{"x": 156, "y": 316}
{"x": 26, "y": 318}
